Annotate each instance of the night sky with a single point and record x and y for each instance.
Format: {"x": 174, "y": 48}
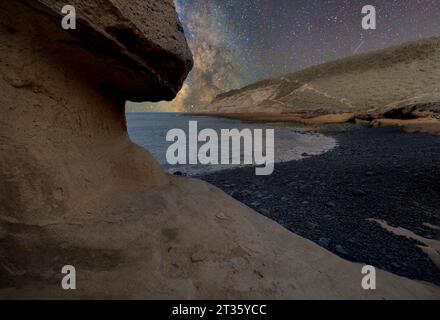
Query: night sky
{"x": 237, "y": 42}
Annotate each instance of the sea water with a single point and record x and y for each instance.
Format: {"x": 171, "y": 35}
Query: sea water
{"x": 292, "y": 142}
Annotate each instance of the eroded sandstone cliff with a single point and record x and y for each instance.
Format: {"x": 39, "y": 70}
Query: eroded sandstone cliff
{"x": 76, "y": 191}
{"x": 397, "y": 85}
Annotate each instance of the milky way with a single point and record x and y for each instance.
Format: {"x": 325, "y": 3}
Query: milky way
{"x": 237, "y": 42}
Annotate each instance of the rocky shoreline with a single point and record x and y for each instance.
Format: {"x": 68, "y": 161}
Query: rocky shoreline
{"x": 332, "y": 199}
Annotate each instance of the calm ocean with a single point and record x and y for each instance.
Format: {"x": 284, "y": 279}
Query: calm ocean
{"x": 292, "y": 142}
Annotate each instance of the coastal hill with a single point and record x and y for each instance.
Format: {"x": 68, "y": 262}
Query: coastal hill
{"x": 77, "y": 191}
{"x": 400, "y": 82}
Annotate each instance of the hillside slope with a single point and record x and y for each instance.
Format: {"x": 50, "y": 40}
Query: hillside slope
{"x": 373, "y": 84}
{"x": 75, "y": 190}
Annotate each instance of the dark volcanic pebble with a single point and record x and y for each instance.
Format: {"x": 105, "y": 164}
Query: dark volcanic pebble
{"x": 373, "y": 174}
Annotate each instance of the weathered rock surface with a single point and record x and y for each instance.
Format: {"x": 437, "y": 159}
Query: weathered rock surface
{"x": 404, "y": 110}
{"x": 75, "y": 190}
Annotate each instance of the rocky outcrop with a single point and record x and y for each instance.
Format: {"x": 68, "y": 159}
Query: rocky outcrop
{"x": 76, "y": 191}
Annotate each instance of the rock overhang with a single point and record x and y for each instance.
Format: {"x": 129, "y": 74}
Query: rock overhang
{"x": 140, "y": 44}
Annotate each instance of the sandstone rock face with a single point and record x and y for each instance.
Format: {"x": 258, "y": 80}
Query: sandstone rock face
{"x": 76, "y": 191}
